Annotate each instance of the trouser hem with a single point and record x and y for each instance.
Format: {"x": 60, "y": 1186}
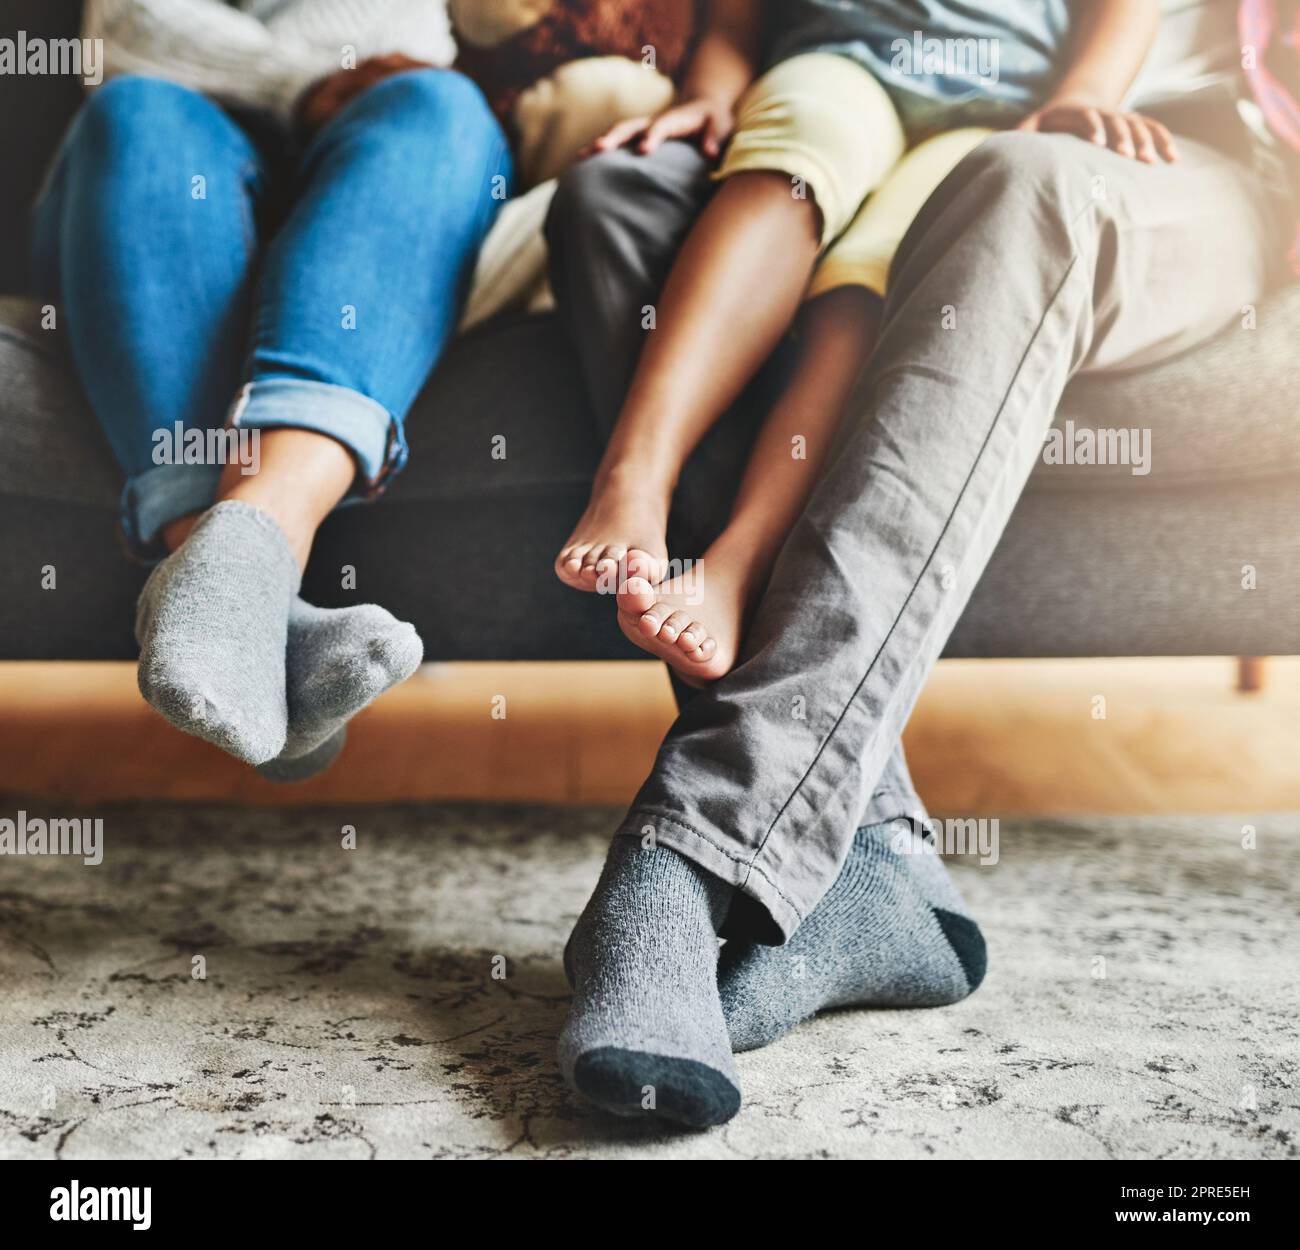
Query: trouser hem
{"x": 708, "y": 851}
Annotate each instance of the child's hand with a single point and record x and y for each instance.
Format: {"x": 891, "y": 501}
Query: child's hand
{"x": 1130, "y": 134}
{"x": 707, "y": 121}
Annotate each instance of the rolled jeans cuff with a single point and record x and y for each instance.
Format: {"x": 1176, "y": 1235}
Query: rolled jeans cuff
{"x": 158, "y": 496}
{"x": 366, "y": 428}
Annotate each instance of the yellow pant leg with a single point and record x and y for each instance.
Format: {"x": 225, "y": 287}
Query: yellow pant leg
{"x": 824, "y": 120}
{"x": 862, "y": 255}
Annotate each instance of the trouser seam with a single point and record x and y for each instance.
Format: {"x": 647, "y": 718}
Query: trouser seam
{"x": 1051, "y": 305}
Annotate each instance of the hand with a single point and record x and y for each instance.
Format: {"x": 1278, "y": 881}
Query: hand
{"x": 705, "y": 120}
{"x": 328, "y": 96}
{"x": 1130, "y": 134}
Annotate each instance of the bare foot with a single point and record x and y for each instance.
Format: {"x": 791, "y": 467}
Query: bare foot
{"x": 620, "y": 536}
{"x": 694, "y": 622}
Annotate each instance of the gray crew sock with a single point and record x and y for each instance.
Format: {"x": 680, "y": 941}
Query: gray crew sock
{"x": 339, "y": 661}
{"x": 891, "y": 932}
{"x": 211, "y": 622}
{"x": 645, "y": 1034}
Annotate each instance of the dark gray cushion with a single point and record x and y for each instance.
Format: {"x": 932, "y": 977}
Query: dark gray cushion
{"x": 1227, "y": 410}
{"x": 462, "y": 544}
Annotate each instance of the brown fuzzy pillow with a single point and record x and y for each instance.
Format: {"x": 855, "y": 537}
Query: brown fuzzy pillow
{"x": 568, "y": 30}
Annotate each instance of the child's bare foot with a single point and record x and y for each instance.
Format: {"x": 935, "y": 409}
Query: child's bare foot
{"x": 694, "y": 622}
{"x": 620, "y": 536}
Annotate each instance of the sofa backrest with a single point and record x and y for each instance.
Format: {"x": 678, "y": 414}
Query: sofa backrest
{"x": 34, "y": 112}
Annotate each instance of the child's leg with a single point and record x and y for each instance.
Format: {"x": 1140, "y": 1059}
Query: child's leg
{"x": 728, "y": 301}
{"x": 696, "y": 622}
{"x": 831, "y": 131}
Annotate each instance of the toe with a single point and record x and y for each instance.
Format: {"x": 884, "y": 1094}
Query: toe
{"x": 642, "y": 564}
{"x": 636, "y": 597}
{"x": 608, "y": 568}
{"x": 590, "y": 559}
{"x": 653, "y": 619}
{"x": 697, "y": 667}
{"x": 686, "y": 1091}
{"x": 571, "y": 556}
{"x": 706, "y": 650}
{"x": 692, "y": 636}
{"x": 671, "y": 629}
{"x": 288, "y": 770}
{"x": 568, "y": 564}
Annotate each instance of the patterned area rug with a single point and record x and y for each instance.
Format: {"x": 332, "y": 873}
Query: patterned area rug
{"x": 401, "y": 999}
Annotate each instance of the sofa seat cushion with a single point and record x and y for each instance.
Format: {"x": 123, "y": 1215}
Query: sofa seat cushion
{"x": 1135, "y": 573}
{"x": 485, "y": 426}
{"x": 1227, "y": 410}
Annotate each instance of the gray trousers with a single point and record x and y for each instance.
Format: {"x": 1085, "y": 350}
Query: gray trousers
{"x": 1040, "y": 256}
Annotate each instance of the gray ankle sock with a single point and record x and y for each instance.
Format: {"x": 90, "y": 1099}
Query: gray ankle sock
{"x": 645, "y": 1034}
{"x": 339, "y": 661}
{"x": 211, "y": 622}
{"x": 287, "y": 769}
{"x": 891, "y": 932}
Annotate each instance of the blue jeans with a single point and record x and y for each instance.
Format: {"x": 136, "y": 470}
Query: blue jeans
{"x": 150, "y": 238}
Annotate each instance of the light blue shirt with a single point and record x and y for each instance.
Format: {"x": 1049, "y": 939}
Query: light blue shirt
{"x": 945, "y": 63}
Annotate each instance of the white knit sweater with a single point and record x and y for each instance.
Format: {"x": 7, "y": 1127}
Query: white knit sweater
{"x": 260, "y": 54}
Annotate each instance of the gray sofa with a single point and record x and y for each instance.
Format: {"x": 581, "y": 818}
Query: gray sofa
{"x": 1096, "y": 561}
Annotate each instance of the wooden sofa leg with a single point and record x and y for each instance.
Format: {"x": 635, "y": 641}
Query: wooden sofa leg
{"x": 1250, "y": 674}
